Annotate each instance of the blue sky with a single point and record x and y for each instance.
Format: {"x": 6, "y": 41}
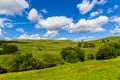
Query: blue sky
{"x": 59, "y": 19}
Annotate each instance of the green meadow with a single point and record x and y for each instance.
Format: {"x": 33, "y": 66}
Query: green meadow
{"x": 88, "y": 70}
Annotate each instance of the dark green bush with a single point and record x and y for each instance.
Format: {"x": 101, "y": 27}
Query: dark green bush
{"x": 88, "y": 45}
{"x": 50, "y": 60}
{"x": 22, "y": 62}
{"x": 90, "y": 56}
{"x": 3, "y": 70}
{"x": 72, "y": 55}
{"x": 106, "y": 52}
{"x": 80, "y": 44}
{"x": 8, "y": 49}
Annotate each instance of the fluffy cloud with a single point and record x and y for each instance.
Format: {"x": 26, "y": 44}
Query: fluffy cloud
{"x": 32, "y": 37}
{"x": 51, "y": 34}
{"x": 55, "y": 23}
{"x": 20, "y": 30}
{"x": 116, "y": 30}
{"x": 44, "y": 11}
{"x": 115, "y": 19}
{"x": 87, "y": 5}
{"x": 63, "y": 38}
{"x": 93, "y": 25}
{"x": 96, "y": 13}
{"x": 34, "y": 16}
{"x": 102, "y": 2}
{"x": 13, "y": 7}
{"x": 84, "y": 38}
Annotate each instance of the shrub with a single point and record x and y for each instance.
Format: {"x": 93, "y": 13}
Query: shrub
{"x": 3, "y": 70}
{"x": 90, "y": 56}
{"x": 80, "y": 44}
{"x": 89, "y": 45}
{"x": 22, "y": 62}
{"x": 51, "y": 60}
{"x": 106, "y": 53}
{"x": 72, "y": 55}
{"x": 7, "y": 49}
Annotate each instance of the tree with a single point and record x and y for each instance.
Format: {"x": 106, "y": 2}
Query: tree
{"x": 90, "y": 56}
{"x": 22, "y": 62}
{"x": 106, "y": 52}
{"x": 8, "y": 49}
{"x": 80, "y": 44}
{"x": 72, "y": 55}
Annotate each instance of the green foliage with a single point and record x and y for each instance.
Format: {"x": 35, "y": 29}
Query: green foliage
{"x": 72, "y": 55}
{"x": 50, "y": 60}
{"x": 115, "y": 45}
{"x": 106, "y": 52}
{"x": 8, "y": 49}
{"x": 88, "y": 45}
{"x": 80, "y": 44}
{"x": 90, "y": 56}
{"x": 22, "y": 62}
{"x": 2, "y": 70}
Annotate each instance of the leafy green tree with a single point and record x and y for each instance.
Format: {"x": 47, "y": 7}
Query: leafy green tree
{"x": 80, "y": 44}
{"x": 72, "y": 55}
{"x": 8, "y": 49}
{"x": 90, "y": 56}
{"x": 22, "y": 62}
{"x": 106, "y": 52}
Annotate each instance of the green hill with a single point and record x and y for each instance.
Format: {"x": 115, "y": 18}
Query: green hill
{"x": 88, "y": 70}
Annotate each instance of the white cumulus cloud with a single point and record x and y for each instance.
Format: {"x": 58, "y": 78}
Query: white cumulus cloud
{"x": 63, "y": 38}
{"x": 55, "y": 22}
{"x": 34, "y": 16}
{"x": 32, "y": 37}
{"x": 116, "y": 30}
{"x": 93, "y": 25}
{"x": 115, "y": 19}
{"x": 86, "y": 5}
{"x": 86, "y": 38}
{"x": 96, "y": 13}
{"x": 13, "y": 7}
{"x": 50, "y": 34}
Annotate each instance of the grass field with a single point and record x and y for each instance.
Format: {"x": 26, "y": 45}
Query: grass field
{"x": 88, "y": 70}
{"x": 91, "y": 70}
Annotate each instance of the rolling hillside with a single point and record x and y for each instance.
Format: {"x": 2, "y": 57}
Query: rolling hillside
{"x": 88, "y": 70}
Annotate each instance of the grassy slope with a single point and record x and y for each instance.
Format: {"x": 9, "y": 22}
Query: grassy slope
{"x": 91, "y": 70}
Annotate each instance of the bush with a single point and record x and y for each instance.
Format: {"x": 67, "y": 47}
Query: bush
{"x": 90, "y": 56}
{"x": 72, "y": 55}
{"x": 22, "y": 62}
{"x": 51, "y": 60}
{"x": 106, "y": 53}
{"x": 3, "y": 70}
{"x": 7, "y": 49}
{"x": 80, "y": 44}
{"x": 88, "y": 45}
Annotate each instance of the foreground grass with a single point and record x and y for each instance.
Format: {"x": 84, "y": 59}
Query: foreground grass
{"x": 90, "y": 70}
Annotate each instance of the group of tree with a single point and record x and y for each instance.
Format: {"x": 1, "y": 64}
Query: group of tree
{"x": 108, "y": 50}
{"x": 86, "y": 44}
